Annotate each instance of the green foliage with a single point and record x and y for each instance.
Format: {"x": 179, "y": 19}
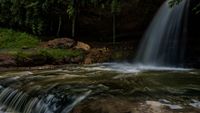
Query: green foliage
{"x": 59, "y": 53}
{"x": 21, "y": 56}
{"x": 197, "y": 9}
{"x": 13, "y": 39}
{"x": 32, "y": 15}
{"x": 70, "y": 10}
{"x": 39, "y": 16}
{"x": 115, "y": 6}
{"x": 41, "y": 56}
{"x": 174, "y": 2}
{"x": 46, "y": 53}
{"x": 42, "y": 17}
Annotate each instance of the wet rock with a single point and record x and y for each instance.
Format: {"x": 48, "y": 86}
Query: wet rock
{"x": 62, "y": 43}
{"x": 125, "y": 105}
{"x": 106, "y": 106}
{"x": 155, "y": 106}
{"x": 77, "y": 59}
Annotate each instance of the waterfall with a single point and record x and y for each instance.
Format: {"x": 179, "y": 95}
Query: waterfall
{"x": 15, "y": 101}
{"x": 164, "y": 41}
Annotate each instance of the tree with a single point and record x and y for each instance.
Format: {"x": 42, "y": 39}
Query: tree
{"x": 72, "y": 12}
{"x": 115, "y": 9}
{"x": 73, "y": 7}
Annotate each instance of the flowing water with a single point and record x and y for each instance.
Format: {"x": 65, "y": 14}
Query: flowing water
{"x": 164, "y": 41}
{"x": 120, "y": 88}
{"x": 62, "y": 90}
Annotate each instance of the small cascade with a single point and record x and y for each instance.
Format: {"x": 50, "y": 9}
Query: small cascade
{"x": 15, "y": 101}
{"x": 164, "y": 41}
{"x": 78, "y": 100}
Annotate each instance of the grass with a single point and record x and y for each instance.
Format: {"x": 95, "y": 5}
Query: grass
{"x": 13, "y": 39}
{"x": 25, "y": 46}
{"x": 51, "y": 53}
{"x": 60, "y": 53}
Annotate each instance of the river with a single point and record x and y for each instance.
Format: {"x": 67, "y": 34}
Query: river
{"x": 101, "y": 88}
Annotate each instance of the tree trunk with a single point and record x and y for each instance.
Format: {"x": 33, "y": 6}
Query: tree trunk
{"x": 59, "y": 25}
{"x": 114, "y": 28}
{"x": 75, "y": 6}
{"x": 73, "y": 26}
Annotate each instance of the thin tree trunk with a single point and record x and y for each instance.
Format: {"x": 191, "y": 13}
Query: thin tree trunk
{"x": 114, "y": 28}
{"x": 59, "y": 25}
{"x": 74, "y": 18}
{"x": 73, "y": 27}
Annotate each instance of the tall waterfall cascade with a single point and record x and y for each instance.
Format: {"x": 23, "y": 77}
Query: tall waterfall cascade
{"x": 164, "y": 41}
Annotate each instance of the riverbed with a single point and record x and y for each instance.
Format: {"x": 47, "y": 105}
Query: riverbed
{"x": 101, "y": 88}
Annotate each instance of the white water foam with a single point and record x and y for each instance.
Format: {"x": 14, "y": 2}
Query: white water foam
{"x": 131, "y": 68}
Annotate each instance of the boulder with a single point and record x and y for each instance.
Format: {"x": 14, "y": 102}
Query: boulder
{"x": 62, "y": 43}
{"x": 83, "y": 46}
{"x": 97, "y": 55}
{"x": 6, "y": 60}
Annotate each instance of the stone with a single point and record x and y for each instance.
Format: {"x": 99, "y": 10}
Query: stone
{"x": 7, "y": 60}
{"x": 62, "y": 43}
{"x": 88, "y": 60}
{"x": 97, "y": 55}
{"x": 83, "y": 46}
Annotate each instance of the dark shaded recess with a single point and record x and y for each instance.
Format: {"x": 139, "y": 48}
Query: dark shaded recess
{"x": 193, "y": 40}
{"x": 131, "y": 22}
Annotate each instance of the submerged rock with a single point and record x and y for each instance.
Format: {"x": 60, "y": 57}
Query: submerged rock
{"x": 120, "y": 105}
{"x": 126, "y": 105}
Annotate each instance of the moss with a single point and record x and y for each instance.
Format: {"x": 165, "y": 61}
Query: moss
{"x": 60, "y": 53}
{"x": 26, "y": 50}
{"x": 41, "y": 56}
{"x": 14, "y": 39}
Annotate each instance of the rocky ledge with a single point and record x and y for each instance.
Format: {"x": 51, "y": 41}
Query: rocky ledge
{"x": 73, "y": 52}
